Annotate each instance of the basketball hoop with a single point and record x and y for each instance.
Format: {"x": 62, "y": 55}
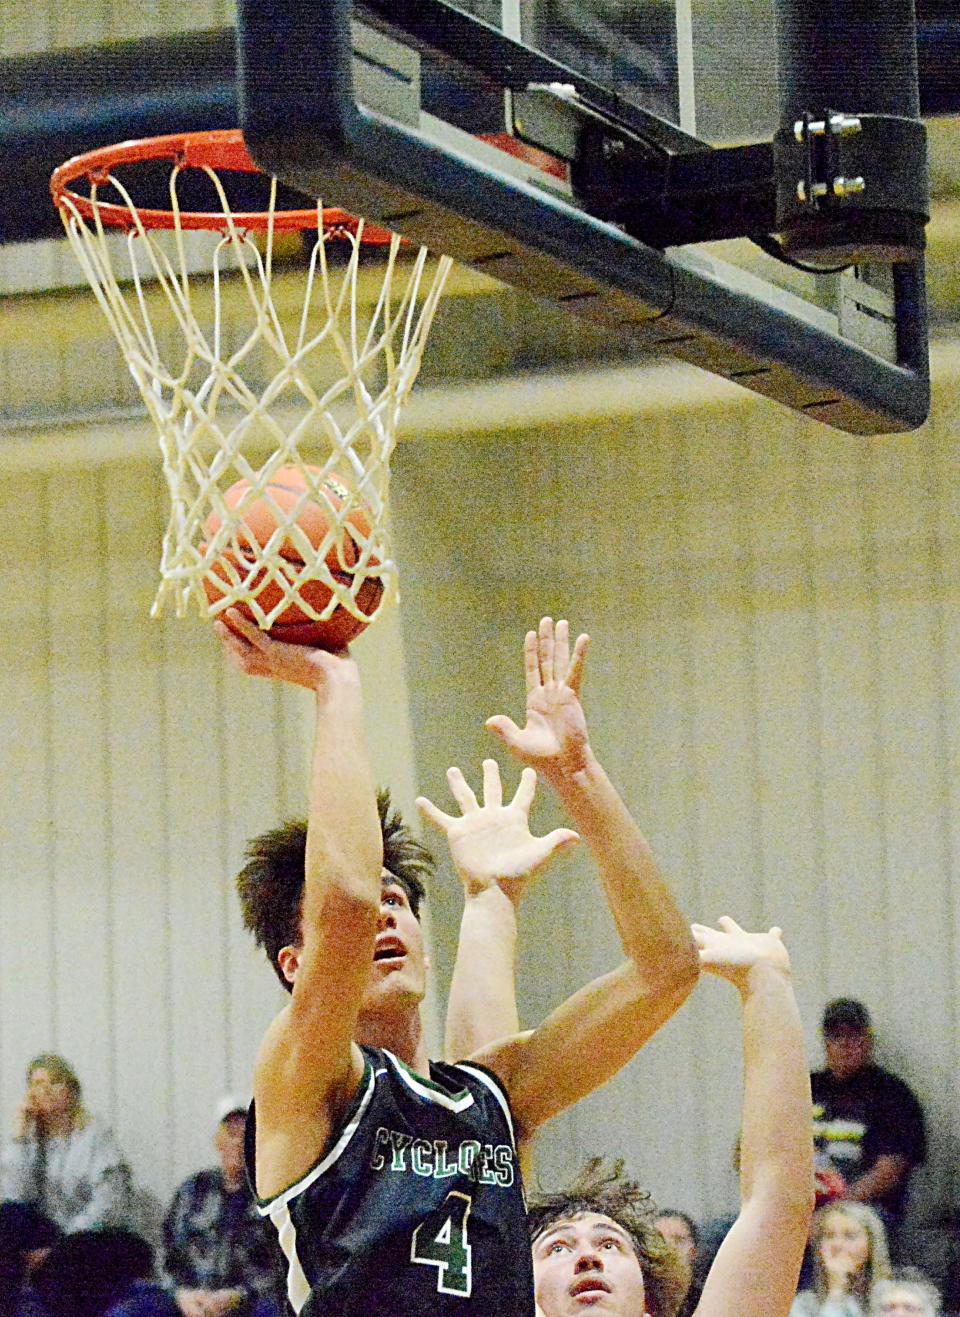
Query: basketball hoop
{"x": 254, "y": 353}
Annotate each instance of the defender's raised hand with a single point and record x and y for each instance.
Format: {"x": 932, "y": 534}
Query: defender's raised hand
{"x": 492, "y": 843}
{"x": 554, "y": 739}
{"x": 731, "y": 952}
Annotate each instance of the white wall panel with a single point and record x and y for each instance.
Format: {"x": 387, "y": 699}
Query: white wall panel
{"x": 136, "y": 764}
{"x": 772, "y": 685}
{"x": 57, "y": 24}
{"x": 81, "y": 778}
{"x": 27, "y": 896}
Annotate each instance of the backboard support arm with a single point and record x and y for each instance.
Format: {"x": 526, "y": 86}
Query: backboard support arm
{"x": 302, "y": 120}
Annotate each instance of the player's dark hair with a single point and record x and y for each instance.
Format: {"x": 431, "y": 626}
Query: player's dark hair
{"x": 270, "y": 884}
{"x": 603, "y": 1188}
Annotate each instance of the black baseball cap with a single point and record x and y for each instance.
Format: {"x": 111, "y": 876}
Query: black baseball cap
{"x": 845, "y": 1013}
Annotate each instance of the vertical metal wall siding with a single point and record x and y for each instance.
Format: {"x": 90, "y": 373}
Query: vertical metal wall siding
{"x": 774, "y": 610}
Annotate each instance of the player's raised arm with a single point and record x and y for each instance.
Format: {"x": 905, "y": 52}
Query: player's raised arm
{"x": 308, "y": 1059}
{"x": 495, "y": 856}
{"x": 588, "y": 1039}
{"x": 756, "y": 1268}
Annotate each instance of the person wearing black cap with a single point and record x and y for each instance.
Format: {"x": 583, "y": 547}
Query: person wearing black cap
{"x": 868, "y": 1125}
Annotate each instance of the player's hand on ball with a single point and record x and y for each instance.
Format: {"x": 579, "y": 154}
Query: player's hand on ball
{"x": 491, "y": 844}
{"x": 732, "y": 953}
{"x": 255, "y": 653}
{"x": 554, "y": 739}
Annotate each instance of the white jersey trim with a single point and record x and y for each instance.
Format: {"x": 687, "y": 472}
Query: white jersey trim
{"x": 498, "y": 1091}
{"x": 428, "y": 1091}
{"x": 267, "y": 1207}
{"x": 298, "y": 1287}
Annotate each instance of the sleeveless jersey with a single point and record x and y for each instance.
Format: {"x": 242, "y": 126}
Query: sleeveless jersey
{"x": 416, "y": 1207}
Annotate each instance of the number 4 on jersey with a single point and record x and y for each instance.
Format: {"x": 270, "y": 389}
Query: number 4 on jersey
{"x": 440, "y": 1240}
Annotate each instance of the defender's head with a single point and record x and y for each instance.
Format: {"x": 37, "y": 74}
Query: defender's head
{"x": 271, "y": 886}
{"x": 596, "y": 1249}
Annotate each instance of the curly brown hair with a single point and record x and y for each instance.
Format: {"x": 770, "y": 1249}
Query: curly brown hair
{"x": 270, "y": 884}
{"x": 603, "y": 1188}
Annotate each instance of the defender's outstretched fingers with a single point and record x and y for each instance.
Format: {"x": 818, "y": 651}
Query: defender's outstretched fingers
{"x": 525, "y": 792}
{"x": 561, "y": 649}
{"x": 546, "y": 650}
{"x": 504, "y": 729}
{"x": 492, "y": 786}
{"x": 434, "y": 816}
{"x": 575, "y": 671}
{"x": 531, "y": 661}
{"x": 561, "y": 839}
{"x": 461, "y": 791}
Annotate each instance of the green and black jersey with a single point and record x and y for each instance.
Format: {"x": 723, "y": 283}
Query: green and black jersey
{"x": 417, "y": 1205}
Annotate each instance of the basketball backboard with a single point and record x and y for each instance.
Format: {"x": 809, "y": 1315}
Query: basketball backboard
{"x": 429, "y": 117}
{"x": 563, "y": 146}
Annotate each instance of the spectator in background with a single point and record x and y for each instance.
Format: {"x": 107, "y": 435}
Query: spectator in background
{"x": 680, "y": 1230}
{"x": 219, "y": 1253}
{"x": 868, "y": 1126}
{"x": 26, "y": 1236}
{"x": 61, "y": 1159}
{"x": 907, "y": 1294}
{"x": 93, "y": 1273}
{"x": 850, "y": 1255}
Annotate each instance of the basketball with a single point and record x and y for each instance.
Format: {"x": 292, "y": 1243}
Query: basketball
{"x": 258, "y": 521}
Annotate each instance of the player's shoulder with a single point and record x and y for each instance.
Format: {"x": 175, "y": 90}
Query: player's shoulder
{"x": 500, "y": 1059}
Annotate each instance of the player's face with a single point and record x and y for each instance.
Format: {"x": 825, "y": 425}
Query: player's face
{"x": 587, "y": 1265}
{"x": 676, "y": 1232}
{"x": 848, "y": 1051}
{"x": 398, "y": 972}
{"x": 844, "y": 1244}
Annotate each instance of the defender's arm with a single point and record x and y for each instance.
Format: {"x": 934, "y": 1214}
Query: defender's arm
{"x": 580, "y": 1046}
{"x": 757, "y": 1266}
{"x": 496, "y": 857}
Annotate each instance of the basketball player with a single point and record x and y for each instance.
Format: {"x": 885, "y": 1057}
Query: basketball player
{"x": 596, "y": 1246}
{"x": 394, "y": 1182}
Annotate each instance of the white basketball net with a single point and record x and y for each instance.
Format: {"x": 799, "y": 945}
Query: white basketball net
{"x": 245, "y": 369}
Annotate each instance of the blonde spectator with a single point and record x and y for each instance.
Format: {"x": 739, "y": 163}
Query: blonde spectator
{"x": 61, "y": 1159}
{"x": 850, "y": 1255}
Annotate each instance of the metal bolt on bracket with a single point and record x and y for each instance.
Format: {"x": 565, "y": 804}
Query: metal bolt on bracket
{"x": 841, "y": 125}
{"x": 847, "y": 187}
{"x": 818, "y": 190}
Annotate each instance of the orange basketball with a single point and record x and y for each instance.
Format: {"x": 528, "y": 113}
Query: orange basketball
{"x": 259, "y": 520}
